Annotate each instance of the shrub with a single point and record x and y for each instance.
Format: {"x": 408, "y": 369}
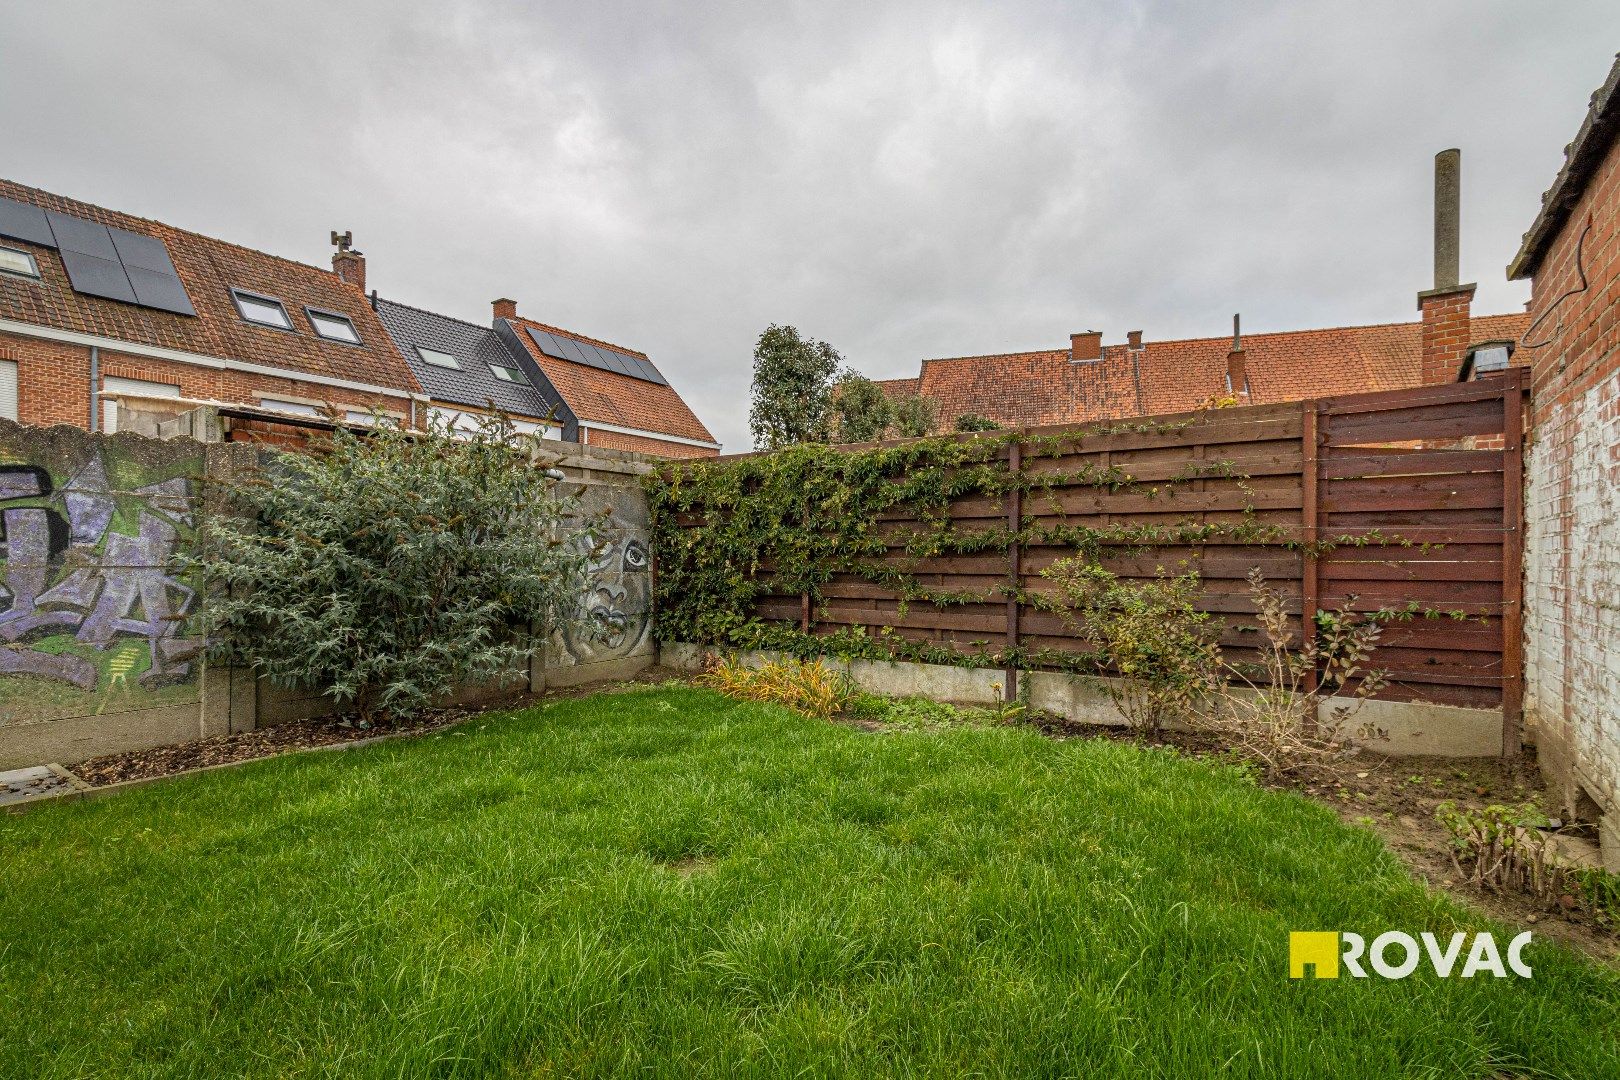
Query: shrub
{"x": 387, "y": 569}
{"x": 809, "y": 687}
{"x": 975, "y": 422}
{"x": 1150, "y": 633}
{"x": 1270, "y": 712}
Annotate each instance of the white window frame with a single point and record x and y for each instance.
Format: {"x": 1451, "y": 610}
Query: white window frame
{"x": 240, "y": 295}
{"x": 315, "y": 315}
{"x": 32, "y": 273}
{"x": 10, "y": 376}
{"x": 425, "y": 353}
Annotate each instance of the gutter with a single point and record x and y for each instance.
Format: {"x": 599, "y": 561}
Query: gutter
{"x": 592, "y": 425}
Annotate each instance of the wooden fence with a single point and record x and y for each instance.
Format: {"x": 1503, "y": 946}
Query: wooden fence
{"x": 1407, "y": 500}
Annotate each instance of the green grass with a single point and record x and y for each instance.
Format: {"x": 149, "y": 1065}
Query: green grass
{"x": 667, "y": 882}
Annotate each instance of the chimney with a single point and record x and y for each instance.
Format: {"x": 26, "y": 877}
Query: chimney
{"x": 348, "y": 264}
{"x": 504, "y": 308}
{"x": 1237, "y": 365}
{"x": 1445, "y": 307}
{"x": 1133, "y": 340}
{"x": 1084, "y": 346}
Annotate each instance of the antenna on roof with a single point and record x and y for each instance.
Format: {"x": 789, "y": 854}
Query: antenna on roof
{"x": 343, "y": 241}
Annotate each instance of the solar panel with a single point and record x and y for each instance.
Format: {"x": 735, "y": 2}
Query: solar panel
{"x": 599, "y": 357}
{"x": 137, "y": 249}
{"x": 547, "y": 343}
{"x": 617, "y": 361}
{"x": 85, "y": 237}
{"x": 158, "y": 290}
{"x": 95, "y": 276}
{"x": 26, "y": 223}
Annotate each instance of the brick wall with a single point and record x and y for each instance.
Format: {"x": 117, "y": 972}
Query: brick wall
{"x": 638, "y": 444}
{"x": 1572, "y": 510}
{"x": 53, "y": 382}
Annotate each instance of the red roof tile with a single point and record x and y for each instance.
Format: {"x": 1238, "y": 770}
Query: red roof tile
{"x": 610, "y": 398}
{"x": 208, "y": 269}
{"x": 1045, "y": 387}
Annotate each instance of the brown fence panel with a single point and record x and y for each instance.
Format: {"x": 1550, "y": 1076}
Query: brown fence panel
{"x": 1404, "y": 501}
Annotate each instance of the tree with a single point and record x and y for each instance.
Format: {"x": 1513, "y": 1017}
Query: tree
{"x": 392, "y": 567}
{"x": 915, "y": 416}
{"x": 793, "y": 388}
{"x": 861, "y": 409}
{"x": 975, "y": 422}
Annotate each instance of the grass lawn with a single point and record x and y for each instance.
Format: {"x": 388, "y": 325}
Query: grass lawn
{"x": 667, "y": 882}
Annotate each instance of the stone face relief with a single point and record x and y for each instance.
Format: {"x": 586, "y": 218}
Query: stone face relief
{"x": 85, "y": 594}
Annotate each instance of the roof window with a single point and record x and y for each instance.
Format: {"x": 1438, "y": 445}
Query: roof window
{"x": 17, "y": 262}
{"x": 437, "y": 358}
{"x": 332, "y": 326}
{"x": 263, "y": 310}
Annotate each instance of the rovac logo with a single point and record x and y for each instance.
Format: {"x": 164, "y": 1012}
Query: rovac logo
{"x": 1395, "y": 955}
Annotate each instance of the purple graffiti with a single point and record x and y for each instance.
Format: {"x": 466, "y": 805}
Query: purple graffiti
{"x": 66, "y": 571}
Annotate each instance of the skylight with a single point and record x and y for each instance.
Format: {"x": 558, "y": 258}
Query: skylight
{"x": 506, "y": 374}
{"x": 437, "y": 358}
{"x": 332, "y": 326}
{"x": 17, "y": 262}
{"x": 264, "y": 310}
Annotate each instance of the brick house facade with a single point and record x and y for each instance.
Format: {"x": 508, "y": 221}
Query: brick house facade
{"x": 84, "y": 359}
{"x": 270, "y": 348}
{"x": 1572, "y": 474}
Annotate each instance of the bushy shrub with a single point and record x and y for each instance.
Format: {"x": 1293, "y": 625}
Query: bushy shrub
{"x": 386, "y": 569}
{"x": 1151, "y": 634}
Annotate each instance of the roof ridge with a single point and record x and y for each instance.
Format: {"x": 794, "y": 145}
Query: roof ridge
{"x": 166, "y": 225}
{"x": 1414, "y": 323}
{"x": 436, "y": 314}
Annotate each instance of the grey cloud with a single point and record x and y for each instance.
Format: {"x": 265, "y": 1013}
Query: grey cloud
{"x": 903, "y": 180}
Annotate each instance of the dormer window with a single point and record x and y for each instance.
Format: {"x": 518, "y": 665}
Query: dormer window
{"x": 332, "y": 326}
{"x": 437, "y": 358}
{"x": 17, "y": 262}
{"x": 262, "y": 310}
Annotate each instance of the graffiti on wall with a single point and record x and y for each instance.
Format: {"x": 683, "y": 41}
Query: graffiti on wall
{"x": 614, "y": 619}
{"x": 86, "y": 599}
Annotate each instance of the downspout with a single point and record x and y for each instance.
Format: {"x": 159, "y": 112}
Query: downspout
{"x": 95, "y": 388}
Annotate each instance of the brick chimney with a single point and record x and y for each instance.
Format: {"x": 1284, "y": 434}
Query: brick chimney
{"x": 348, "y": 264}
{"x": 504, "y": 308}
{"x": 1445, "y": 307}
{"x": 1084, "y": 346}
{"x": 1237, "y": 365}
{"x": 1133, "y": 340}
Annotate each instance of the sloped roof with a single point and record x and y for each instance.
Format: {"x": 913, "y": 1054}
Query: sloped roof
{"x": 608, "y": 397}
{"x": 1045, "y": 387}
{"x": 208, "y": 269}
{"x": 476, "y": 347}
{"x": 1581, "y": 160}
{"x": 897, "y": 388}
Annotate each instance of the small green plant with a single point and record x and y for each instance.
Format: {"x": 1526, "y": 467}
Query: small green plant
{"x": 810, "y": 687}
{"x": 1502, "y": 848}
{"x": 1151, "y": 633}
{"x": 975, "y": 422}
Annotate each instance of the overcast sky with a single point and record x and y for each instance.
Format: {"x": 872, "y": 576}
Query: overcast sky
{"x": 903, "y": 180}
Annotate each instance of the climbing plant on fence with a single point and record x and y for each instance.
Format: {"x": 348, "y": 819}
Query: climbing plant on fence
{"x": 933, "y": 549}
